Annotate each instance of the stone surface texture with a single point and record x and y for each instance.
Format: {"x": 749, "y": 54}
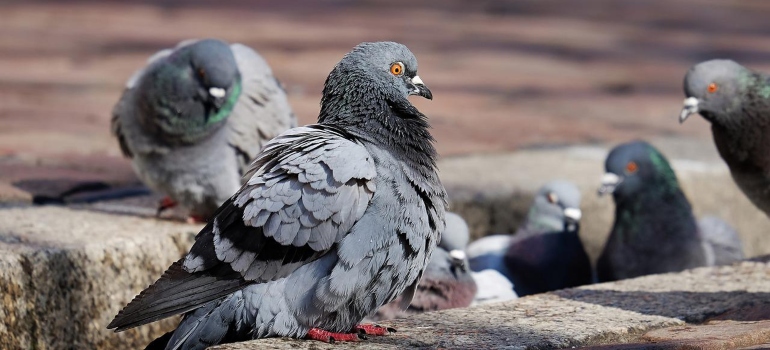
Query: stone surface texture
{"x": 635, "y": 310}
{"x": 65, "y": 273}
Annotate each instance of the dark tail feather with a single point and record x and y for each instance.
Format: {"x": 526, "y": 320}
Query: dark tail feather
{"x": 160, "y": 343}
{"x": 177, "y": 291}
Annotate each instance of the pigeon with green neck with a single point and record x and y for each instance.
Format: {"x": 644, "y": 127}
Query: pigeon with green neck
{"x": 194, "y": 118}
{"x": 654, "y": 230}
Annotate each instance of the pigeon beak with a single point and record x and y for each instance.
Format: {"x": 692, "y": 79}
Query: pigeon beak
{"x": 610, "y": 181}
{"x": 420, "y": 89}
{"x": 690, "y": 107}
{"x": 573, "y": 214}
{"x": 458, "y": 258}
{"x": 217, "y": 96}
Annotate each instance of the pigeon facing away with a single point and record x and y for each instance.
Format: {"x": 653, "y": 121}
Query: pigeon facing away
{"x": 546, "y": 252}
{"x": 193, "y": 120}
{"x": 736, "y": 100}
{"x": 654, "y": 230}
{"x": 447, "y": 282}
{"x": 337, "y": 219}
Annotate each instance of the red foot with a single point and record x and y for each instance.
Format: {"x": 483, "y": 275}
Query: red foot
{"x": 330, "y": 337}
{"x": 373, "y": 329}
{"x": 164, "y": 204}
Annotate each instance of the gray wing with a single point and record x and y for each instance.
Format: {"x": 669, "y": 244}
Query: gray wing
{"x": 309, "y": 186}
{"x": 262, "y": 111}
{"x": 125, "y": 106}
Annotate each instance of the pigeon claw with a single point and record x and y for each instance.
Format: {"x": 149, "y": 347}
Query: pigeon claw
{"x": 373, "y": 329}
{"x": 331, "y": 337}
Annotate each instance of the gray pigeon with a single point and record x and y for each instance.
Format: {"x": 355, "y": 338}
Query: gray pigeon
{"x": 736, "y": 100}
{"x": 654, "y": 230}
{"x": 447, "y": 282}
{"x": 195, "y": 117}
{"x": 337, "y": 219}
{"x": 546, "y": 252}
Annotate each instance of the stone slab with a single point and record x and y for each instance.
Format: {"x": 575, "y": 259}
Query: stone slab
{"x": 65, "y": 273}
{"x": 608, "y": 313}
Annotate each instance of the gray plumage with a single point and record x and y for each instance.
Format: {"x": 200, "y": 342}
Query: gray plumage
{"x": 736, "y": 101}
{"x": 447, "y": 282}
{"x": 546, "y": 252}
{"x": 336, "y": 220}
{"x": 492, "y": 287}
{"x": 722, "y": 242}
{"x": 654, "y": 230}
{"x": 195, "y": 117}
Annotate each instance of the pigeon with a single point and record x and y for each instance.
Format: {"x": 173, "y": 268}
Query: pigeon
{"x": 337, "y": 219}
{"x": 195, "y": 117}
{"x": 546, "y": 252}
{"x": 736, "y": 101}
{"x": 654, "y": 230}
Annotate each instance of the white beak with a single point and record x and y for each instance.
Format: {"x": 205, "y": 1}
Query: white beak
{"x": 690, "y": 107}
{"x": 573, "y": 213}
{"x": 609, "y": 182}
{"x": 217, "y": 92}
{"x": 457, "y": 254}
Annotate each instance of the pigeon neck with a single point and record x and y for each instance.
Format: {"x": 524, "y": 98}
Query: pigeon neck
{"x": 654, "y": 217}
{"x": 397, "y": 125}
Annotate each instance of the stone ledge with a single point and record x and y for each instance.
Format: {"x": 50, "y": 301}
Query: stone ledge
{"x": 635, "y": 310}
{"x": 65, "y": 273}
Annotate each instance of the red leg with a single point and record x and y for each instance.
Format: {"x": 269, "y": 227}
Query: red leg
{"x": 330, "y": 337}
{"x": 373, "y": 329}
{"x": 164, "y": 204}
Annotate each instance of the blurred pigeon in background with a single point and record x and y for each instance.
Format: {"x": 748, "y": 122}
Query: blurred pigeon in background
{"x": 721, "y": 241}
{"x": 546, "y": 252}
{"x": 195, "y": 117}
{"x": 337, "y": 219}
{"x": 654, "y": 230}
{"x": 736, "y": 100}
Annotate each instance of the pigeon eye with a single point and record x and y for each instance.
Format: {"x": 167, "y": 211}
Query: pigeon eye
{"x": 631, "y": 167}
{"x": 553, "y": 198}
{"x": 397, "y": 68}
{"x": 712, "y": 88}
{"x": 202, "y": 73}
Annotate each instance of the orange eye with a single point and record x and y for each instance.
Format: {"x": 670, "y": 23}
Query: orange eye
{"x": 631, "y": 167}
{"x": 712, "y": 88}
{"x": 397, "y": 68}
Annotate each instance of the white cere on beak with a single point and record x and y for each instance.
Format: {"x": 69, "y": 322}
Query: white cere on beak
{"x": 573, "y": 213}
{"x": 690, "y": 107}
{"x": 217, "y": 92}
{"x": 417, "y": 81}
{"x": 609, "y": 182}
{"x": 457, "y": 254}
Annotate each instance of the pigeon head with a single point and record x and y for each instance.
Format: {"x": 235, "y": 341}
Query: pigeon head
{"x": 456, "y": 234}
{"x": 378, "y": 72}
{"x": 635, "y": 168}
{"x": 556, "y": 207}
{"x": 189, "y": 94}
{"x": 713, "y": 89}
{"x": 215, "y": 70}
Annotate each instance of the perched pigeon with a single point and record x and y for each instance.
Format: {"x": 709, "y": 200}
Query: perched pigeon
{"x": 194, "y": 119}
{"x": 337, "y": 219}
{"x": 736, "y": 100}
{"x": 655, "y": 230}
{"x": 546, "y": 253}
